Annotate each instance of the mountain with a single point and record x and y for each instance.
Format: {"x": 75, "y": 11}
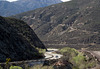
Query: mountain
{"x": 12, "y": 8}
{"x": 8, "y": 8}
{"x": 75, "y": 22}
{"x": 18, "y": 41}
{"x": 33, "y": 4}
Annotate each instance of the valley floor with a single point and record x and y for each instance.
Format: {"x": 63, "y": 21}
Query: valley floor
{"x": 50, "y": 55}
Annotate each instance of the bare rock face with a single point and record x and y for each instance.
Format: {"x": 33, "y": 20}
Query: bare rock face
{"x": 18, "y": 41}
{"x": 74, "y": 22}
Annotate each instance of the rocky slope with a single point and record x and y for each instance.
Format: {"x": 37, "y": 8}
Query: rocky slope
{"x": 74, "y": 22}
{"x": 12, "y": 8}
{"x": 18, "y": 41}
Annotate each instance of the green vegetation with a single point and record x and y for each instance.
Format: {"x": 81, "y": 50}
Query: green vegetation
{"x": 71, "y": 50}
{"x": 69, "y": 53}
{"x": 8, "y": 60}
{"x": 41, "y": 51}
{"x": 15, "y": 67}
{"x": 33, "y": 67}
{"x": 73, "y": 58}
{"x": 1, "y": 67}
{"x": 78, "y": 59}
{"x": 41, "y": 67}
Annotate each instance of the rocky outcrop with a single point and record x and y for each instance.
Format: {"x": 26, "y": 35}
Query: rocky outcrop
{"x": 18, "y": 41}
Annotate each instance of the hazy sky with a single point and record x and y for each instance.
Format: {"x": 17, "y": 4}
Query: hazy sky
{"x": 16, "y": 0}
{"x": 65, "y": 0}
{"x": 11, "y": 0}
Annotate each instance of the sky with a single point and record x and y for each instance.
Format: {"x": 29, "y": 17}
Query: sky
{"x": 11, "y": 0}
{"x": 65, "y": 0}
{"x": 16, "y": 0}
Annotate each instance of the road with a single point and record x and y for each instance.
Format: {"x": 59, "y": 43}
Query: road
{"x": 95, "y": 54}
{"x": 50, "y": 54}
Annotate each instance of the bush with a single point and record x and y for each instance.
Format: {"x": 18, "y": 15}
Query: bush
{"x": 1, "y": 67}
{"x": 78, "y": 59}
{"x": 41, "y": 67}
{"x": 41, "y": 50}
{"x": 15, "y": 67}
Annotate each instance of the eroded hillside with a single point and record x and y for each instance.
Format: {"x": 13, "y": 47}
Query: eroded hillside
{"x": 74, "y": 22}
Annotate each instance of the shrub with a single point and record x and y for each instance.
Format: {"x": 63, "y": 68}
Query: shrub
{"x": 41, "y": 67}
{"x": 15, "y": 67}
{"x": 41, "y": 50}
{"x": 1, "y": 67}
{"x": 78, "y": 59}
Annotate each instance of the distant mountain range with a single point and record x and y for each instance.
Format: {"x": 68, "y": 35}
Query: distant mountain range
{"x": 18, "y": 41}
{"x": 74, "y": 22}
{"x": 12, "y": 8}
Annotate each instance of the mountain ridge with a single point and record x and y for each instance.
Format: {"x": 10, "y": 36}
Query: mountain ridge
{"x": 18, "y": 41}
{"x": 12, "y": 8}
{"x": 74, "y": 22}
